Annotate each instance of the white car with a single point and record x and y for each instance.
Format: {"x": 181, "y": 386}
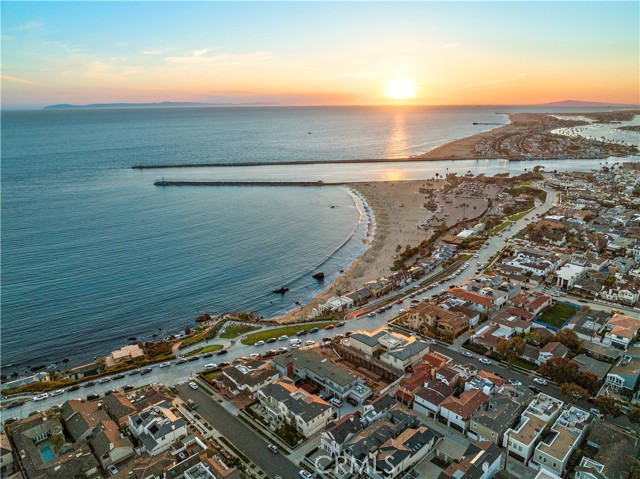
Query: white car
{"x": 104, "y": 380}
{"x": 259, "y": 343}
{"x": 208, "y": 367}
{"x": 467, "y": 354}
{"x": 284, "y": 337}
{"x": 254, "y": 355}
{"x": 165, "y": 365}
{"x": 282, "y": 349}
{"x": 309, "y": 342}
{"x": 484, "y": 361}
{"x": 41, "y": 397}
{"x": 57, "y": 392}
{"x": 540, "y": 381}
{"x": 113, "y": 470}
{"x": 193, "y": 385}
{"x": 515, "y": 382}
{"x": 402, "y": 311}
{"x": 305, "y": 474}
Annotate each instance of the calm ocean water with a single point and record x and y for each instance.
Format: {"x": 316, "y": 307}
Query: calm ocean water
{"x": 93, "y": 253}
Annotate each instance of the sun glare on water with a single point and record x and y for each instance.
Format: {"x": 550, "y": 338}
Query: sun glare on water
{"x": 400, "y": 88}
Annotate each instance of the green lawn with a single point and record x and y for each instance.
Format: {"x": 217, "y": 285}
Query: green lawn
{"x": 516, "y": 216}
{"x": 558, "y": 314}
{"x": 212, "y": 348}
{"x": 288, "y": 330}
{"x": 499, "y": 228}
{"x": 235, "y": 330}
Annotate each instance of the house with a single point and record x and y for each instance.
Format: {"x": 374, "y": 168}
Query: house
{"x": 567, "y": 276}
{"x": 566, "y": 435}
{"x": 81, "y": 418}
{"x": 35, "y": 440}
{"x": 397, "y": 454}
{"x": 285, "y": 402}
{"x": 609, "y": 453}
{"x": 380, "y": 286}
{"x": 591, "y": 365}
{"x": 109, "y": 445}
{"x": 251, "y": 376}
{"x": 621, "y": 331}
{"x": 336, "y": 303}
{"x": 522, "y": 439}
{"x": 457, "y": 411}
{"x": 360, "y": 296}
{"x": 447, "y": 375}
{"x": 118, "y": 407}
{"x": 34, "y": 378}
{"x": 391, "y": 348}
{"x": 532, "y": 302}
{"x": 330, "y": 377}
{"x": 480, "y": 461}
{"x": 156, "y": 428}
{"x": 335, "y": 435}
{"x": 625, "y": 375}
{"x": 552, "y": 349}
{"x": 483, "y": 303}
{"x": 491, "y": 422}
{"x": 428, "y": 399}
{"x": 126, "y": 353}
{"x": 587, "y": 324}
{"x": 6, "y": 456}
{"x": 619, "y": 293}
{"x": 409, "y": 384}
{"x": 431, "y": 317}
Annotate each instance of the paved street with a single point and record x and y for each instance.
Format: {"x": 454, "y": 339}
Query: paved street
{"x": 240, "y": 435}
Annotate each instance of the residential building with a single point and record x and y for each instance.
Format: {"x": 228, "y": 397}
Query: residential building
{"x": 251, "y": 376}
{"x": 624, "y": 375}
{"x": 552, "y": 349}
{"x": 522, "y": 439}
{"x": 118, "y": 407}
{"x": 109, "y": 445}
{"x": 483, "y": 303}
{"x": 621, "y": 331}
{"x": 609, "y": 453}
{"x": 428, "y": 399}
{"x": 457, "y": 411}
{"x": 566, "y": 435}
{"x": 156, "y": 428}
{"x": 126, "y": 353}
{"x": 391, "y": 348}
{"x": 81, "y": 418}
{"x": 490, "y": 423}
{"x": 480, "y": 461}
{"x": 285, "y": 402}
{"x": 330, "y": 377}
{"x": 6, "y": 456}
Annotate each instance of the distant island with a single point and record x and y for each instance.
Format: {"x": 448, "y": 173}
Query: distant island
{"x": 163, "y": 104}
{"x": 579, "y": 103}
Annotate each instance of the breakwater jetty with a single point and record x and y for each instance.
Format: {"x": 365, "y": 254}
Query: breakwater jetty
{"x": 245, "y": 183}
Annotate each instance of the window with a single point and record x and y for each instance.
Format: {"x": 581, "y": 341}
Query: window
{"x": 555, "y": 465}
{"x": 493, "y": 434}
{"x": 544, "y": 459}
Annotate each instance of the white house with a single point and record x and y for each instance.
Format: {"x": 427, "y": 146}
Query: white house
{"x": 156, "y": 428}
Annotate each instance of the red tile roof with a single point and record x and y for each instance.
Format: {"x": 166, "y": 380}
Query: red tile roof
{"x": 471, "y": 297}
{"x": 466, "y": 404}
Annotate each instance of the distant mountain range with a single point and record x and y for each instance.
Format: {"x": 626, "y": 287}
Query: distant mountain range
{"x": 164, "y": 104}
{"x": 578, "y": 103}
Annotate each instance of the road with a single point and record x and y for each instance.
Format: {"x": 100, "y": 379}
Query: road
{"x": 245, "y": 439}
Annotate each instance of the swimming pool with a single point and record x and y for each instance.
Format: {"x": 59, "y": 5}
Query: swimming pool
{"x": 47, "y": 453}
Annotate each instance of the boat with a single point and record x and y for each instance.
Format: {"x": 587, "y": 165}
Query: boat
{"x": 319, "y": 276}
{"x": 280, "y": 290}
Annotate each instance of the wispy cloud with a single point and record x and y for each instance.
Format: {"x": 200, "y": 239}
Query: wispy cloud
{"x": 32, "y": 26}
{"x": 206, "y": 56}
{"x": 16, "y": 80}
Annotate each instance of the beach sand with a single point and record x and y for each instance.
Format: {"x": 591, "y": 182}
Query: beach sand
{"x": 398, "y": 209}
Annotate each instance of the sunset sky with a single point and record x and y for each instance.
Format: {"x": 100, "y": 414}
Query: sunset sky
{"x": 298, "y": 53}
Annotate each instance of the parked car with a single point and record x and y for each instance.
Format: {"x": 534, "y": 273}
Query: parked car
{"x": 402, "y": 311}
{"x": 207, "y": 355}
{"x": 41, "y": 397}
{"x": 193, "y": 385}
{"x": 93, "y": 396}
{"x": 352, "y": 401}
{"x": 535, "y": 389}
{"x": 301, "y": 332}
{"x": 515, "y": 382}
{"x": 271, "y": 340}
{"x": 371, "y": 314}
{"x": 89, "y": 384}
{"x": 222, "y": 352}
{"x": 259, "y": 343}
{"x": 103, "y": 380}
{"x": 467, "y": 354}
{"x": 14, "y": 403}
{"x": 336, "y": 402}
{"x": 118, "y": 376}
{"x": 174, "y": 389}
{"x": 314, "y": 330}
{"x": 192, "y": 404}
{"x": 282, "y": 349}
{"x": 273, "y": 448}
{"x": 541, "y": 381}
{"x": 145, "y": 371}
{"x": 305, "y": 474}
{"x": 195, "y": 357}
{"x": 340, "y": 324}
{"x": 113, "y": 470}
{"x": 254, "y": 355}
{"x": 57, "y": 392}
{"x": 165, "y": 365}
{"x": 223, "y": 364}
{"x": 484, "y": 361}
{"x": 329, "y": 326}
{"x": 210, "y": 366}
{"x": 284, "y": 337}
{"x": 134, "y": 372}
{"x": 75, "y": 387}
{"x": 182, "y": 361}
{"x": 128, "y": 387}
{"x": 309, "y": 343}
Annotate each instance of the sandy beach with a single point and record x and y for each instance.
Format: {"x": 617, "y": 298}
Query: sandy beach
{"x": 398, "y": 209}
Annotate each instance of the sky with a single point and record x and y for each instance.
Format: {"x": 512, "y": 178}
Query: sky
{"x": 319, "y": 53}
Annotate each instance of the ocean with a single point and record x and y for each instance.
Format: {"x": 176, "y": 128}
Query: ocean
{"x": 93, "y": 253}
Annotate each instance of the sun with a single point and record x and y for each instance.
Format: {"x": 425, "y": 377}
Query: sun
{"x": 400, "y": 88}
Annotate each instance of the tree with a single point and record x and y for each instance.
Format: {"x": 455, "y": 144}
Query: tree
{"x": 511, "y": 348}
{"x": 560, "y": 370}
{"x": 634, "y": 415}
{"x": 608, "y": 405}
{"x": 569, "y": 338}
{"x": 589, "y": 381}
{"x": 572, "y": 389}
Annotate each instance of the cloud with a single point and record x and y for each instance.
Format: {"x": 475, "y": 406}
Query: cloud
{"x": 152, "y": 52}
{"x": 202, "y": 57}
{"x": 31, "y": 26}
{"x": 16, "y": 80}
